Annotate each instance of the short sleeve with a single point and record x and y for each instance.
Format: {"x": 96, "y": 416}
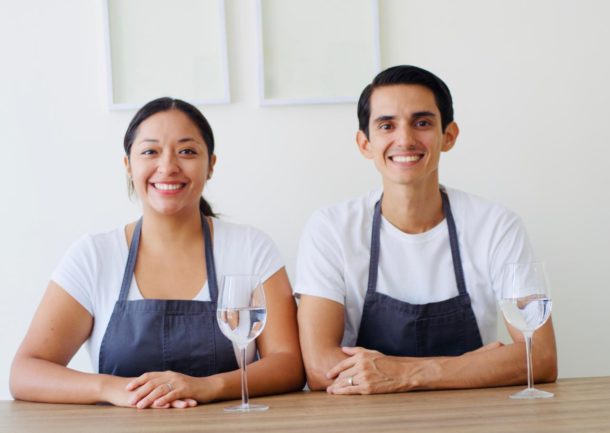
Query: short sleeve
{"x": 512, "y": 246}
{"x": 266, "y": 258}
{"x": 320, "y": 264}
{"x": 76, "y": 272}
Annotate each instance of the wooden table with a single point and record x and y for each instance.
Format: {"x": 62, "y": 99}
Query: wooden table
{"x": 579, "y": 405}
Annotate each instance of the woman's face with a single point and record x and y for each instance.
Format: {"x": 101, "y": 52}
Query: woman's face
{"x": 169, "y": 163}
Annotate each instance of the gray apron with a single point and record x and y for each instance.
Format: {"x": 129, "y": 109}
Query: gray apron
{"x": 157, "y": 335}
{"x": 398, "y": 328}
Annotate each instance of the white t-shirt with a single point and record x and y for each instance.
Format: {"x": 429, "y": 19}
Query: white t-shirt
{"x": 334, "y": 253}
{"x": 92, "y": 271}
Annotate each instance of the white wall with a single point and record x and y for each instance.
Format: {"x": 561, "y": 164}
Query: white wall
{"x": 529, "y": 80}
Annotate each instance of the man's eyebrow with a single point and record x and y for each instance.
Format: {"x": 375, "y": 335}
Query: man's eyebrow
{"x": 423, "y": 114}
{"x": 384, "y": 118}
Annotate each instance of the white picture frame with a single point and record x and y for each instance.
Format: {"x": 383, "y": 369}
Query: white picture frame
{"x": 331, "y": 60}
{"x": 157, "y": 48}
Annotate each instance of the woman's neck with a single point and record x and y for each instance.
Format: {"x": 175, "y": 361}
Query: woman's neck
{"x": 412, "y": 209}
{"x": 167, "y": 232}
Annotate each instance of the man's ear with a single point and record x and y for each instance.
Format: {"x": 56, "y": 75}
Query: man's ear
{"x": 364, "y": 145}
{"x": 450, "y": 136}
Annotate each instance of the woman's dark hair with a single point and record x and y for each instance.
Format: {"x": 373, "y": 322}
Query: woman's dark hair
{"x": 406, "y": 74}
{"x": 166, "y": 104}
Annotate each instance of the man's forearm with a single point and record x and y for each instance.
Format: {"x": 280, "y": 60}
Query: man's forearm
{"x": 505, "y": 365}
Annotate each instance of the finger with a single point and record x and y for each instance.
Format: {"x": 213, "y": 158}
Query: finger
{"x": 343, "y": 390}
{"x": 154, "y": 395}
{"x": 346, "y": 378}
{"x": 341, "y": 366}
{"x": 191, "y": 402}
{"x": 178, "y": 404}
{"x": 141, "y": 392}
{"x": 168, "y": 398}
{"x": 139, "y": 381}
{"x": 351, "y": 351}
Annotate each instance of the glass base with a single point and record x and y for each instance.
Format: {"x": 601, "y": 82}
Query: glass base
{"x": 247, "y": 408}
{"x": 531, "y": 393}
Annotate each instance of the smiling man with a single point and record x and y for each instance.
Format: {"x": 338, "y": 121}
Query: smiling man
{"x": 398, "y": 288}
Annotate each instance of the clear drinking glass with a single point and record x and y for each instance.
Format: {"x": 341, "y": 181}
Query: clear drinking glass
{"x": 526, "y": 305}
{"x": 242, "y": 314}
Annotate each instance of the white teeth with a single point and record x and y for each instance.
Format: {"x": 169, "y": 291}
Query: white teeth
{"x": 168, "y": 186}
{"x": 402, "y": 158}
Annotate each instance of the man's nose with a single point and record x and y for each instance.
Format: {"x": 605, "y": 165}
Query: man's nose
{"x": 405, "y": 135}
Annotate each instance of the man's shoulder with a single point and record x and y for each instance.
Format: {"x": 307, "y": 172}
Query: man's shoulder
{"x": 477, "y": 211}
{"x": 352, "y": 211}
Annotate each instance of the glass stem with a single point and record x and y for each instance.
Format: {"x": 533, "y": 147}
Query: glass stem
{"x": 244, "y": 378}
{"x": 528, "y": 354}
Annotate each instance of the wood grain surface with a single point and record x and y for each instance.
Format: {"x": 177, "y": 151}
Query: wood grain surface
{"x": 579, "y": 405}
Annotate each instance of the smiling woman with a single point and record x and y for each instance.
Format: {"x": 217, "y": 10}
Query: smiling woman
{"x": 144, "y": 296}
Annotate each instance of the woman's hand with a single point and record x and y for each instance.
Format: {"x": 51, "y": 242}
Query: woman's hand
{"x": 161, "y": 390}
{"x": 114, "y": 391}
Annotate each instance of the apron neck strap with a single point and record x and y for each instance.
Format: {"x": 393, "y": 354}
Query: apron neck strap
{"x": 455, "y": 248}
{"x": 209, "y": 259}
{"x": 131, "y": 261}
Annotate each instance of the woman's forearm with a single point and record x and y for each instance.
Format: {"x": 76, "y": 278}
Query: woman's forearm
{"x": 39, "y": 380}
{"x": 274, "y": 374}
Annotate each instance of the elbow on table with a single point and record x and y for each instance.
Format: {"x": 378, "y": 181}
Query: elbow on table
{"x": 316, "y": 377}
{"x": 546, "y": 367}
{"x": 16, "y": 385}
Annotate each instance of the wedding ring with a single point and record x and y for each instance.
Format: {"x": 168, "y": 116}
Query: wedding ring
{"x": 169, "y": 386}
{"x": 350, "y": 380}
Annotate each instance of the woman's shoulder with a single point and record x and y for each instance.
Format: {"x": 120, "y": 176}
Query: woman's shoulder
{"x": 237, "y": 232}
{"x": 97, "y": 248}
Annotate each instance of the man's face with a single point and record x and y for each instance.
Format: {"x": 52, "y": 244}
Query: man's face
{"x": 405, "y": 135}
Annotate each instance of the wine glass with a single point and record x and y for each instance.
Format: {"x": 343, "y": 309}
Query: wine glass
{"x": 242, "y": 314}
{"x": 526, "y": 305}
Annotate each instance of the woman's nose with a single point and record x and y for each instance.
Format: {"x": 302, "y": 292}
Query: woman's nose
{"x": 168, "y": 164}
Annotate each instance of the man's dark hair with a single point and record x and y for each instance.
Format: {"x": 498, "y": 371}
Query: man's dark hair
{"x": 406, "y": 74}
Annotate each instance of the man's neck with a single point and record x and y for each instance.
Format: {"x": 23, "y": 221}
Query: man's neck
{"x": 413, "y": 209}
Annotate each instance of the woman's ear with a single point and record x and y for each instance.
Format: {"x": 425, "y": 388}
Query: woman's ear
{"x": 211, "y": 167}
{"x": 127, "y": 165}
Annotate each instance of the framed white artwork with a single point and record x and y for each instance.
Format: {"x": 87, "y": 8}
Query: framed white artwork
{"x": 316, "y": 51}
{"x": 174, "y": 48}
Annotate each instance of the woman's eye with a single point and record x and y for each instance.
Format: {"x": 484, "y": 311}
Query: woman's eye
{"x": 148, "y": 152}
{"x": 188, "y": 152}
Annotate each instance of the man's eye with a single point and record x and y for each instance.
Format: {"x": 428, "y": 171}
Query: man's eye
{"x": 422, "y": 123}
{"x": 385, "y": 126}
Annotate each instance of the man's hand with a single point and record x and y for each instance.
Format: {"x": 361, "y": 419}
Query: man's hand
{"x": 366, "y": 372}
